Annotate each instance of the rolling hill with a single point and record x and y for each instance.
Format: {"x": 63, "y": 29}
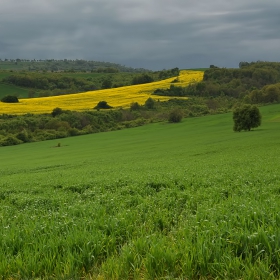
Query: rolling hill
{"x": 187, "y": 201}
{"x": 117, "y": 97}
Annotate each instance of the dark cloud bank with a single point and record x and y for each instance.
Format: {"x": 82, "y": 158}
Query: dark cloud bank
{"x": 153, "y": 34}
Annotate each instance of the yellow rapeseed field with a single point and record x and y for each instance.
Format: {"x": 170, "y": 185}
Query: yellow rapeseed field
{"x": 117, "y": 97}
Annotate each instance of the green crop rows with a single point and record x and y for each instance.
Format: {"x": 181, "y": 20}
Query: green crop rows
{"x": 192, "y": 200}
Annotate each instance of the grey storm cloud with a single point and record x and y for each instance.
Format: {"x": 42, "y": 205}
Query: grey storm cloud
{"x": 153, "y": 34}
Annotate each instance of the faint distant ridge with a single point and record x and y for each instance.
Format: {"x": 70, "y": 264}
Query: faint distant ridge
{"x": 70, "y": 65}
{"x": 260, "y": 64}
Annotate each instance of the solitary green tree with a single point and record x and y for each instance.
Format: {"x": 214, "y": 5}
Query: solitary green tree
{"x": 246, "y": 118}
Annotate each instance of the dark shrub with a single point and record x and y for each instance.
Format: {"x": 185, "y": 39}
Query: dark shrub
{"x": 10, "y": 140}
{"x": 57, "y": 125}
{"x": 134, "y": 106}
{"x": 103, "y": 105}
{"x": 73, "y": 132}
{"x": 56, "y": 112}
{"x": 23, "y": 136}
{"x": 10, "y": 99}
{"x": 142, "y": 79}
{"x": 175, "y": 115}
{"x": 150, "y": 103}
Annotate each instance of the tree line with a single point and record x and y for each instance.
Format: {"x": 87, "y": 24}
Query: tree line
{"x": 72, "y": 65}
{"x": 48, "y": 84}
{"x": 257, "y": 82}
{"x": 17, "y": 129}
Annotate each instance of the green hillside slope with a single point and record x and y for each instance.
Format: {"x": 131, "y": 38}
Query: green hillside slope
{"x": 192, "y": 200}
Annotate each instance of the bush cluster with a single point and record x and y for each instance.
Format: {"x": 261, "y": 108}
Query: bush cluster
{"x": 9, "y": 99}
{"x": 175, "y": 115}
{"x": 102, "y": 105}
{"x": 142, "y": 79}
{"x": 49, "y": 82}
{"x": 172, "y": 91}
{"x": 63, "y": 123}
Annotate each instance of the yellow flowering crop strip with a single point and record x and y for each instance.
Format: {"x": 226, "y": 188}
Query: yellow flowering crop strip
{"x": 116, "y": 97}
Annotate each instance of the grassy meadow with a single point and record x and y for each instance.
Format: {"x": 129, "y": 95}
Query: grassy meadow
{"x": 192, "y": 200}
{"x": 11, "y": 89}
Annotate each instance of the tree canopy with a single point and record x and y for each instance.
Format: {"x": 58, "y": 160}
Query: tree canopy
{"x": 10, "y": 99}
{"x": 246, "y": 118}
{"x": 103, "y": 105}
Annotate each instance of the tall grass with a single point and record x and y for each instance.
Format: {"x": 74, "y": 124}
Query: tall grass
{"x": 166, "y": 201}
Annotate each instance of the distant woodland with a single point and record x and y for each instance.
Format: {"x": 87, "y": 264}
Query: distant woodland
{"x": 55, "y": 65}
{"x": 220, "y": 91}
{"x": 57, "y": 77}
{"x": 255, "y": 82}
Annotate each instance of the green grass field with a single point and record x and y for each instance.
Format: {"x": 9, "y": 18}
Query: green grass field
{"x": 193, "y": 200}
{"x": 12, "y": 66}
{"x": 13, "y": 90}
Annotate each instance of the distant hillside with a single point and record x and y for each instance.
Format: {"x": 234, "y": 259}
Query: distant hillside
{"x": 116, "y": 97}
{"x": 255, "y": 82}
{"x": 24, "y": 83}
{"x": 65, "y": 65}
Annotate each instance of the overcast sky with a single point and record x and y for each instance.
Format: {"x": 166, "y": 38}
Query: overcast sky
{"x": 153, "y": 34}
